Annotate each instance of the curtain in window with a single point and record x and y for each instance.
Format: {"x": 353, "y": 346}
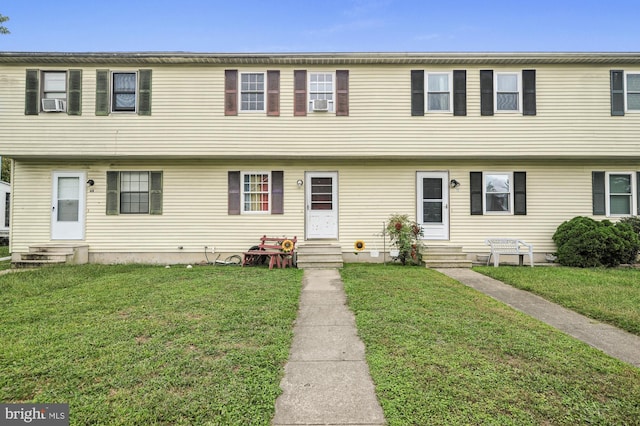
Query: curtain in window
{"x": 124, "y": 88}
{"x": 438, "y": 88}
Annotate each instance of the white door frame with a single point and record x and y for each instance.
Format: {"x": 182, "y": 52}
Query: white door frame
{"x": 321, "y": 223}
{"x": 68, "y": 229}
{"x": 434, "y": 230}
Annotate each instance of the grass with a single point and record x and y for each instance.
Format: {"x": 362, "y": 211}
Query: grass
{"x": 148, "y": 345}
{"x": 441, "y": 353}
{"x": 607, "y": 295}
{"x": 4, "y": 251}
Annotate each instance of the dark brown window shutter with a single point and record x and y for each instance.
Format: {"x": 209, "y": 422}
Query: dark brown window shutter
{"x": 102, "y": 92}
{"x": 113, "y": 189}
{"x": 277, "y": 192}
{"x": 32, "y": 93}
{"x": 460, "y": 92}
{"x": 529, "y": 92}
{"x": 475, "y": 179}
{"x": 234, "y": 193}
{"x": 417, "y": 92}
{"x": 299, "y": 92}
{"x": 144, "y": 92}
{"x": 342, "y": 92}
{"x": 231, "y": 92}
{"x": 486, "y": 92}
{"x": 155, "y": 193}
{"x": 617, "y": 92}
{"x": 598, "y": 193}
{"x": 519, "y": 193}
{"x": 74, "y": 97}
{"x": 273, "y": 93}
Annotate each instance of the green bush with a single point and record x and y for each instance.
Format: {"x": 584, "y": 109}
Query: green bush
{"x": 585, "y": 243}
{"x": 405, "y": 235}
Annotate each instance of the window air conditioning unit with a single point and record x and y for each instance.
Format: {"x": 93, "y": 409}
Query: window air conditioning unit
{"x": 53, "y": 105}
{"x": 320, "y": 105}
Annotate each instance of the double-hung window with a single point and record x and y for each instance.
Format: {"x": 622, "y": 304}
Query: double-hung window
{"x": 255, "y": 192}
{"x": 124, "y": 91}
{"x": 632, "y": 83}
{"x": 321, "y": 88}
{"x": 54, "y": 85}
{"x": 439, "y": 91}
{"x": 508, "y": 94}
{"x": 498, "y": 192}
{"x": 252, "y": 89}
{"x": 134, "y": 192}
{"x": 619, "y": 193}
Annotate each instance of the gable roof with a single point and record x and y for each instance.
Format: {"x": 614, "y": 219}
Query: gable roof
{"x": 408, "y": 58}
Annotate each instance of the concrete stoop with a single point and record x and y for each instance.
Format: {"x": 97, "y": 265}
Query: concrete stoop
{"x": 52, "y": 254}
{"x": 445, "y": 257}
{"x": 319, "y": 255}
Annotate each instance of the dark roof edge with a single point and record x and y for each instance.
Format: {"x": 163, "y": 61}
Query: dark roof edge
{"x": 321, "y": 58}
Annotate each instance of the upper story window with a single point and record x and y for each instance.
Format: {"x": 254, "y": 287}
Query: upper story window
{"x": 124, "y": 92}
{"x": 498, "y": 192}
{"x": 321, "y": 91}
{"x": 54, "y": 85}
{"x": 439, "y": 92}
{"x": 252, "y": 89}
{"x": 255, "y": 192}
{"x": 508, "y": 92}
{"x": 633, "y": 91}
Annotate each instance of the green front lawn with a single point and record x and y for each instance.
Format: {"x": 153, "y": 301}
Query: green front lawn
{"x": 607, "y": 295}
{"x": 148, "y": 345}
{"x": 441, "y": 353}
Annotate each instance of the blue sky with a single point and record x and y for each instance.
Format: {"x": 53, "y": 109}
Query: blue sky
{"x": 321, "y": 26}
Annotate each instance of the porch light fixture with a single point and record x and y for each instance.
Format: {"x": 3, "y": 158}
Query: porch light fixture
{"x": 90, "y": 182}
{"x": 299, "y": 182}
{"x": 454, "y": 183}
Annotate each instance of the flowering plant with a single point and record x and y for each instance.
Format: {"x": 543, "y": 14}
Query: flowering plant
{"x": 405, "y": 235}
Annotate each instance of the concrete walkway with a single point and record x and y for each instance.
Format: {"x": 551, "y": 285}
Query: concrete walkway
{"x": 327, "y": 379}
{"x": 611, "y": 340}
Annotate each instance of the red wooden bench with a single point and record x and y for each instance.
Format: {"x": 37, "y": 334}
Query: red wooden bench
{"x": 273, "y": 249}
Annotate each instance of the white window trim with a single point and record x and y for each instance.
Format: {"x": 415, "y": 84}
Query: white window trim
{"x": 608, "y": 193}
{"x": 120, "y": 191}
{"x": 626, "y": 108}
{"x": 111, "y": 89}
{"x": 426, "y": 98}
{"x": 66, "y": 83}
{"x": 484, "y": 194}
{"x": 242, "y": 193}
{"x": 518, "y": 74}
{"x": 264, "y": 93}
{"x": 332, "y": 104}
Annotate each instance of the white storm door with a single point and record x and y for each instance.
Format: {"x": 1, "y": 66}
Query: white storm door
{"x": 321, "y": 199}
{"x": 433, "y": 204}
{"x": 68, "y": 206}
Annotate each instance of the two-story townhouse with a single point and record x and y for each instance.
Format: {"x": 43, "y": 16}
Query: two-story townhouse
{"x": 151, "y": 157}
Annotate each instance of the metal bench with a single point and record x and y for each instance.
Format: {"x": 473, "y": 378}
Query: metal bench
{"x": 509, "y": 246}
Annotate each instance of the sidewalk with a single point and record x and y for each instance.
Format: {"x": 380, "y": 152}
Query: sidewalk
{"x": 326, "y": 379}
{"x": 610, "y": 340}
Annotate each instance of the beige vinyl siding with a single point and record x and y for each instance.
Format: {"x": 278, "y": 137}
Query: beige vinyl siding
{"x": 195, "y": 203}
{"x": 573, "y": 119}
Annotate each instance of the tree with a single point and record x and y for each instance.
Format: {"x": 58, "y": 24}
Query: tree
{"x": 5, "y": 175}
{"x": 3, "y": 29}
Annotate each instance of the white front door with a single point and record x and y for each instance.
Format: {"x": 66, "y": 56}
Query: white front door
{"x": 433, "y": 204}
{"x": 68, "y": 206}
{"x": 321, "y": 197}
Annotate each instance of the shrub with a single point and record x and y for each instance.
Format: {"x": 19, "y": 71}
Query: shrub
{"x": 584, "y": 242}
{"x": 405, "y": 235}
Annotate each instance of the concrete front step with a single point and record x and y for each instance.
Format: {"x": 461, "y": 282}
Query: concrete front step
{"x": 52, "y": 254}
{"x": 319, "y": 256}
{"x": 445, "y": 257}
